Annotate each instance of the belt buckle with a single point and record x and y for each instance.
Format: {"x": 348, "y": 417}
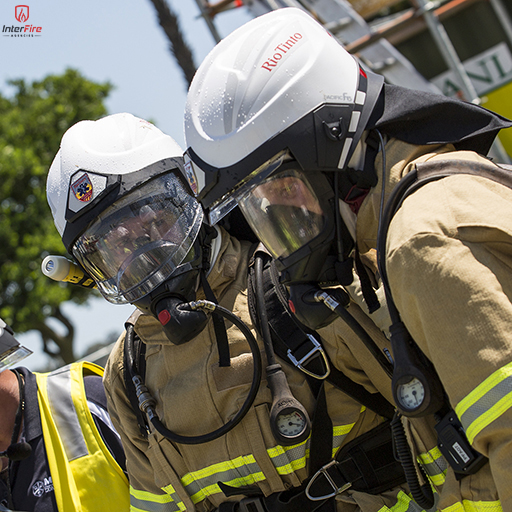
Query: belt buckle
{"x": 323, "y": 471}
{"x": 316, "y": 351}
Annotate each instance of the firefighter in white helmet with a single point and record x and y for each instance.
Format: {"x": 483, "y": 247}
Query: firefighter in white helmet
{"x": 201, "y": 428}
{"x": 283, "y": 123}
{"x": 58, "y": 448}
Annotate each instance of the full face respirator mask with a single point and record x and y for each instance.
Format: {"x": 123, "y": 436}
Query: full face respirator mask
{"x": 293, "y": 213}
{"x": 148, "y": 249}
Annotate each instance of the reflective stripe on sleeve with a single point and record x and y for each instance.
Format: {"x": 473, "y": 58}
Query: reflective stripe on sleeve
{"x": 405, "y": 503}
{"x": 142, "y": 501}
{"x": 434, "y": 464}
{"x": 486, "y": 402}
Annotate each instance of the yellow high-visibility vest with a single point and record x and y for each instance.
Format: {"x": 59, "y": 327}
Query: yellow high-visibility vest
{"x": 85, "y": 475}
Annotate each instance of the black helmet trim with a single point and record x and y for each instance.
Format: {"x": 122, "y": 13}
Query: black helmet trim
{"x": 115, "y": 187}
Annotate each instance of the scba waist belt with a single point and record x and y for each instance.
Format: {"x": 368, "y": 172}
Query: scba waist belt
{"x": 366, "y": 464}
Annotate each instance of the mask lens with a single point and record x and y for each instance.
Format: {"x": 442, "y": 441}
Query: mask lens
{"x": 284, "y": 212}
{"x": 140, "y": 240}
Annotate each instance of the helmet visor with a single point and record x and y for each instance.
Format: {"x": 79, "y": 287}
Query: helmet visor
{"x": 141, "y": 240}
{"x": 284, "y": 211}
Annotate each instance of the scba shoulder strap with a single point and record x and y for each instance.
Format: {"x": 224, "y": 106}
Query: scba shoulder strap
{"x": 301, "y": 347}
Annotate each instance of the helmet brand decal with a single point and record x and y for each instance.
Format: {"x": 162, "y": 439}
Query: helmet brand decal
{"x": 280, "y": 50}
{"x": 191, "y": 177}
{"x": 345, "y": 97}
{"x": 82, "y": 188}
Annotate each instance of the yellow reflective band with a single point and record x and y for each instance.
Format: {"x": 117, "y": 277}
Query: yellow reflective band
{"x": 244, "y": 470}
{"x": 171, "y": 491}
{"x": 288, "y": 459}
{"x": 220, "y": 467}
{"x": 475, "y": 506}
{"x": 434, "y": 464}
{"x": 143, "y": 501}
{"x": 404, "y": 503}
{"x": 237, "y": 472}
{"x": 486, "y": 402}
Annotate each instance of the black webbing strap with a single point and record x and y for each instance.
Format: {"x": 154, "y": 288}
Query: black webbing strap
{"x": 299, "y": 341}
{"x": 369, "y": 295}
{"x": 218, "y": 325}
{"x": 291, "y": 341}
{"x": 135, "y": 364}
{"x": 365, "y": 464}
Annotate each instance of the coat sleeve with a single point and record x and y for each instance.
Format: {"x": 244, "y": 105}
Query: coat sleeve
{"x": 449, "y": 263}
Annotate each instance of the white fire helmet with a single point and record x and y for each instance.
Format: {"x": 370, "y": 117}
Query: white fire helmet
{"x": 280, "y": 84}
{"x": 123, "y": 204}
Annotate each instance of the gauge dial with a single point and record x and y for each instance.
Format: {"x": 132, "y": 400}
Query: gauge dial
{"x": 411, "y": 394}
{"x": 291, "y": 424}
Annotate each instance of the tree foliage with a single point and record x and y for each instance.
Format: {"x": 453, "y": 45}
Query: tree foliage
{"x": 32, "y": 121}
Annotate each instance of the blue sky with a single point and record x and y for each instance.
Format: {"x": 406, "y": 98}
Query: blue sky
{"x": 118, "y": 41}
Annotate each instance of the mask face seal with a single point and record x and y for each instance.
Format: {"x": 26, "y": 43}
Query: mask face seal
{"x": 139, "y": 241}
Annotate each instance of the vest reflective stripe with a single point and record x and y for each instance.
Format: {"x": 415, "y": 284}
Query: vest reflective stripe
{"x": 435, "y": 465}
{"x": 245, "y": 470}
{"x": 142, "y": 501}
{"x": 474, "y": 506}
{"x": 486, "y": 402}
{"x": 85, "y": 475}
{"x": 58, "y": 385}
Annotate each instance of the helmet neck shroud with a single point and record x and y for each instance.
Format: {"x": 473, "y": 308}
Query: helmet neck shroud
{"x": 117, "y": 186}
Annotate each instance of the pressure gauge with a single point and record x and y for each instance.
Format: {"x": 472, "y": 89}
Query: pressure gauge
{"x": 417, "y": 389}
{"x": 291, "y": 423}
{"x": 289, "y": 420}
{"x": 411, "y": 394}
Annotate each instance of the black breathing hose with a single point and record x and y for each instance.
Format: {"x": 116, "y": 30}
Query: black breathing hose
{"x": 147, "y": 403}
{"x": 339, "y": 309}
{"x": 422, "y": 494}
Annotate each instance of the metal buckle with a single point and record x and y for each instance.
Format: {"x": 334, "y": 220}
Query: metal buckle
{"x": 314, "y": 352}
{"x": 252, "y": 504}
{"x": 323, "y": 472}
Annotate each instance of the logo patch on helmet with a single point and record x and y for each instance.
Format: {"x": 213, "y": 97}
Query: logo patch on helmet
{"x": 191, "y": 178}
{"x": 82, "y": 188}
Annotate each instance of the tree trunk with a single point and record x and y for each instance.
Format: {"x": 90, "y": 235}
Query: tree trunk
{"x": 64, "y": 342}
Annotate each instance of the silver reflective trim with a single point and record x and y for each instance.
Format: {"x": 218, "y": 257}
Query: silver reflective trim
{"x": 354, "y": 121}
{"x": 152, "y": 506}
{"x": 58, "y": 385}
{"x": 344, "y": 153}
{"x": 436, "y": 468}
{"x": 360, "y": 98}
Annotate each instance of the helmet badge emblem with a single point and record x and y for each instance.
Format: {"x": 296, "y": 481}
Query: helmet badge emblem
{"x": 82, "y": 188}
{"x": 191, "y": 177}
